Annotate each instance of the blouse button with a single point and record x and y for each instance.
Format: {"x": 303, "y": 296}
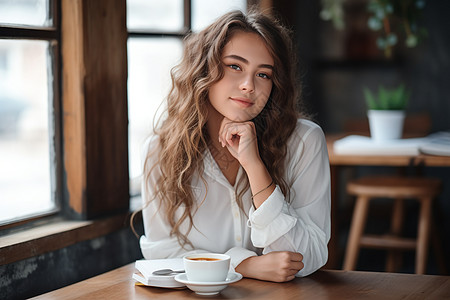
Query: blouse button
{"x": 238, "y": 238}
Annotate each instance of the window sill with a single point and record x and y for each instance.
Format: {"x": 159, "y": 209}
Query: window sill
{"x": 56, "y": 235}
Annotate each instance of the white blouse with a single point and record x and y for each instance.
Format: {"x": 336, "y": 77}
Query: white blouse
{"x": 303, "y": 225}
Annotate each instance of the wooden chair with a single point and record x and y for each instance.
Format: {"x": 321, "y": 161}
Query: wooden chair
{"x": 399, "y": 189}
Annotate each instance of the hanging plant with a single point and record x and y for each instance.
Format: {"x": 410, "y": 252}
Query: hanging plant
{"x": 393, "y": 19}
{"x": 332, "y": 10}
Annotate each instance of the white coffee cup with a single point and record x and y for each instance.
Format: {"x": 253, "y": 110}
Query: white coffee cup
{"x": 206, "y": 267}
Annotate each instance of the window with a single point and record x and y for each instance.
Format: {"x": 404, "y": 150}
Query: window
{"x": 86, "y": 166}
{"x": 155, "y": 31}
{"x": 29, "y": 41}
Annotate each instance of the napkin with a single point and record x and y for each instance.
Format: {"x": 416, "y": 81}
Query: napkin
{"x": 147, "y": 266}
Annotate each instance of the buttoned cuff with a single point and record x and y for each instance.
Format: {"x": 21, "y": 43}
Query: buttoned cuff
{"x": 271, "y": 220}
{"x": 239, "y": 254}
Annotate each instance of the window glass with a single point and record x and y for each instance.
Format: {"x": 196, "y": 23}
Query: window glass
{"x": 149, "y": 64}
{"x": 25, "y": 12}
{"x": 25, "y": 187}
{"x": 205, "y": 12}
{"x": 155, "y": 15}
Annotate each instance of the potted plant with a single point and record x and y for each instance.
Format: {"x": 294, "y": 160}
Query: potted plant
{"x": 386, "y": 112}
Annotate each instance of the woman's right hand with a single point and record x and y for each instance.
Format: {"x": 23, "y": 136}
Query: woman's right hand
{"x": 277, "y": 266}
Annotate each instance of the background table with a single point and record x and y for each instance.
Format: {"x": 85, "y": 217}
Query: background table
{"x": 324, "y": 284}
{"x": 338, "y": 161}
{"x": 382, "y": 160}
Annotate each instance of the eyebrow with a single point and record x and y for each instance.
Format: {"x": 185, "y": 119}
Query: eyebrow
{"x": 240, "y": 58}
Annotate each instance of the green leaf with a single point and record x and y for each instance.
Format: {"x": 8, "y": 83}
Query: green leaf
{"x": 370, "y": 99}
{"x": 387, "y": 99}
{"x": 383, "y": 97}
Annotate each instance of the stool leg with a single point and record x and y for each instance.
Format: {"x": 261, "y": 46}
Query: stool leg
{"x": 393, "y": 257}
{"x": 437, "y": 246}
{"x": 356, "y": 230}
{"x": 423, "y": 233}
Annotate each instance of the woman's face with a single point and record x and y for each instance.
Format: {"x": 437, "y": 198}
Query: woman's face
{"x": 245, "y": 87}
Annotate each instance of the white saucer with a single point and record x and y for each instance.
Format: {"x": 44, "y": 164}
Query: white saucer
{"x": 208, "y": 288}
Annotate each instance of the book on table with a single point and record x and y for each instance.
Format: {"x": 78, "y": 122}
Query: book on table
{"x": 146, "y": 267}
{"x": 437, "y": 144}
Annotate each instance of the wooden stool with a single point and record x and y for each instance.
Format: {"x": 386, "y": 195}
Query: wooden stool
{"x": 398, "y": 188}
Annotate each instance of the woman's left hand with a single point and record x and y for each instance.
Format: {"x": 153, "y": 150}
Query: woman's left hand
{"x": 277, "y": 266}
{"x": 240, "y": 140}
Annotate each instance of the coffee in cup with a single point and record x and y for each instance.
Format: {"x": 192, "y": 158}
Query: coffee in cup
{"x": 206, "y": 267}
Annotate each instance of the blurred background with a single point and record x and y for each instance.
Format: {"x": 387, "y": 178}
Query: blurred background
{"x": 344, "y": 47}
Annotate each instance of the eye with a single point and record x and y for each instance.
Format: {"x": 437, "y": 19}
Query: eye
{"x": 235, "y": 67}
{"x": 263, "y": 75}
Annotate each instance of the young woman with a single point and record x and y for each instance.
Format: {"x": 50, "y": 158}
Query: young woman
{"x": 232, "y": 168}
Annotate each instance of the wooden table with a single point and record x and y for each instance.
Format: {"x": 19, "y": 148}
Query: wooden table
{"x": 324, "y": 284}
{"x": 338, "y": 161}
{"x": 382, "y": 160}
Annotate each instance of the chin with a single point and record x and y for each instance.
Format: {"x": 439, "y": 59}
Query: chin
{"x": 242, "y": 116}
{"x": 240, "y": 119}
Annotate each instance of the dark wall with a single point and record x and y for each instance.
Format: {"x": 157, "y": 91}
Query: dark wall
{"x": 429, "y": 69}
{"x": 334, "y": 74}
{"x": 50, "y": 271}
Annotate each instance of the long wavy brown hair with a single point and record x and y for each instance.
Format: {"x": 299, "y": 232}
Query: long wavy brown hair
{"x": 182, "y": 134}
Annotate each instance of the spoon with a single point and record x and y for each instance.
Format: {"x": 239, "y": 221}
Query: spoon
{"x": 164, "y": 272}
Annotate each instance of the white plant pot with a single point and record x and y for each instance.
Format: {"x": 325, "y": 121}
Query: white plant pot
{"x": 386, "y": 124}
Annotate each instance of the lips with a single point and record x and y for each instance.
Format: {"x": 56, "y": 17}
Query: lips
{"x": 245, "y": 102}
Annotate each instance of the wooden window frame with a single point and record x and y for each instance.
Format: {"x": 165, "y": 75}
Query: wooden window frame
{"x": 51, "y": 34}
{"x": 93, "y": 181}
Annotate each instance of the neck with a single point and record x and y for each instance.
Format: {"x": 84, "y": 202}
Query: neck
{"x": 226, "y": 162}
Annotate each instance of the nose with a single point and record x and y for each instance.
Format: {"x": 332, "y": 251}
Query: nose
{"x": 247, "y": 84}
